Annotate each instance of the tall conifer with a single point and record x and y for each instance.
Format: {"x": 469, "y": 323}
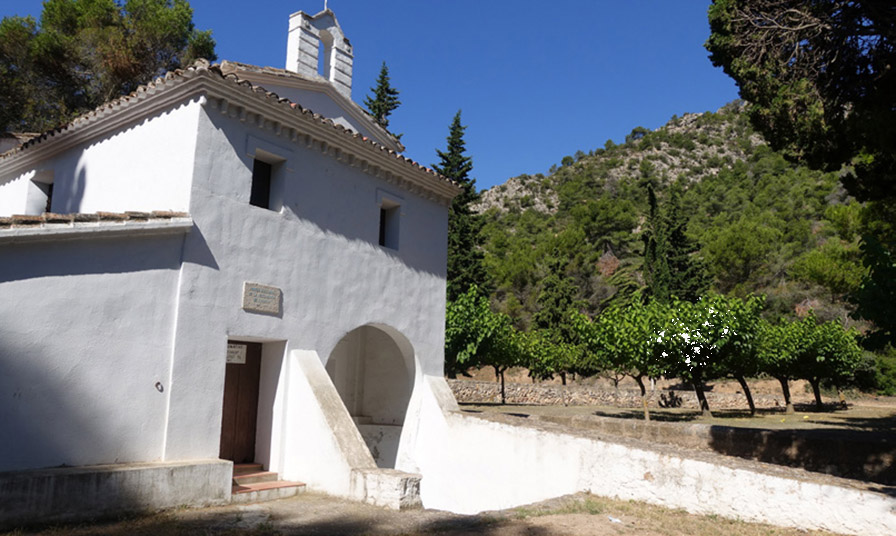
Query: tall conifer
{"x": 465, "y": 268}
{"x": 384, "y": 99}
{"x": 671, "y": 265}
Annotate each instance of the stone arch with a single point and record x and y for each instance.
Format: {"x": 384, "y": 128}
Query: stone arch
{"x": 373, "y": 369}
{"x": 325, "y": 54}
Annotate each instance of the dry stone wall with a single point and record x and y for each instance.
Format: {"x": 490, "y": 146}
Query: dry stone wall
{"x": 480, "y": 392}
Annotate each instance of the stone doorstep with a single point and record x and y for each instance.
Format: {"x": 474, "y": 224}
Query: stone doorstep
{"x": 265, "y": 491}
{"x": 253, "y": 484}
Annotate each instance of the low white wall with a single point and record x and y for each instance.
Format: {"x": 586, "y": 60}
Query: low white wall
{"x": 506, "y": 465}
{"x": 76, "y": 493}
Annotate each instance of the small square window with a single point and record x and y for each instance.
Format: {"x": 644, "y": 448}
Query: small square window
{"x": 390, "y": 214}
{"x": 261, "y": 184}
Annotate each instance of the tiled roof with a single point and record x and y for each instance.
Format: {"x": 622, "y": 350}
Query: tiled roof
{"x": 20, "y": 229}
{"x": 201, "y": 68}
{"x": 50, "y": 219}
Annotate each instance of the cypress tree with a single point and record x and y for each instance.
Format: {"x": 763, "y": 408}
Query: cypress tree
{"x": 671, "y": 265}
{"x": 384, "y": 99}
{"x": 465, "y": 268}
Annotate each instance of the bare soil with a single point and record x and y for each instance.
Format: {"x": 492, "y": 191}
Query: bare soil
{"x": 315, "y": 514}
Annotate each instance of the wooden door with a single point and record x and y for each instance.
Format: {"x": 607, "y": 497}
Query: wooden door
{"x": 240, "y": 402}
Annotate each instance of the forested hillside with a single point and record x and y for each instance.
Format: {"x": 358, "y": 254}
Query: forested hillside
{"x": 758, "y": 223}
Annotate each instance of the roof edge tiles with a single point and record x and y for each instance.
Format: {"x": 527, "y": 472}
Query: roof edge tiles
{"x": 50, "y": 226}
{"x": 227, "y": 93}
{"x": 258, "y": 75}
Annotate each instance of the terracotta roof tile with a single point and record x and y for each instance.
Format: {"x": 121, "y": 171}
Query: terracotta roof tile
{"x": 199, "y": 68}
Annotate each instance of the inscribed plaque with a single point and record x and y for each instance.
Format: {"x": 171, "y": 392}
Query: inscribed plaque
{"x": 259, "y": 298}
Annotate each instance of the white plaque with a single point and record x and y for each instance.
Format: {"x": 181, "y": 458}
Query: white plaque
{"x": 236, "y": 354}
{"x": 258, "y": 298}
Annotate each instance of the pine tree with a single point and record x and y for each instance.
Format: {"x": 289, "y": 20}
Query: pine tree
{"x": 384, "y": 99}
{"x": 82, "y": 53}
{"x": 465, "y": 268}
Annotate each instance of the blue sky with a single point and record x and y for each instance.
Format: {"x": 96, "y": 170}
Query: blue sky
{"x": 536, "y": 80}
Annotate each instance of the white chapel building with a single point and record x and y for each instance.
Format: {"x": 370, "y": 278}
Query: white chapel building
{"x": 232, "y": 265}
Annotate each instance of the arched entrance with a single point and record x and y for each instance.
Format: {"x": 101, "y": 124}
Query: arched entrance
{"x": 372, "y": 368}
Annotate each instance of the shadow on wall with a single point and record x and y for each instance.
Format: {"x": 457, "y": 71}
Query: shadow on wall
{"x": 71, "y": 258}
{"x": 45, "y": 423}
{"x": 861, "y": 455}
{"x": 341, "y": 201}
{"x": 68, "y": 193}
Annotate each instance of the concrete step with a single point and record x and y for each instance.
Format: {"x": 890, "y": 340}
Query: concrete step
{"x": 241, "y": 468}
{"x": 265, "y": 491}
{"x": 253, "y": 477}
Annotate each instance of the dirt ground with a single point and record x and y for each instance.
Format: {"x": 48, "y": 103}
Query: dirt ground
{"x": 315, "y": 514}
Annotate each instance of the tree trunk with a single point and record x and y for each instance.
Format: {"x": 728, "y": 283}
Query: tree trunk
{"x": 499, "y": 377}
{"x": 747, "y": 393}
{"x": 450, "y": 368}
{"x": 563, "y": 378}
{"x": 816, "y": 390}
{"x": 701, "y": 396}
{"x": 640, "y": 380}
{"x": 785, "y": 388}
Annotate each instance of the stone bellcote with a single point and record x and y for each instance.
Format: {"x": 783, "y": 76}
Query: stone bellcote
{"x": 317, "y": 47}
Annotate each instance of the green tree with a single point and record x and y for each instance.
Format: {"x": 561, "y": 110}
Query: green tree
{"x": 557, "y": 304}
{"x": 739, "y": 357}
{"x": 819, "y": 79}
{"x": 465, "y": 267}
{"x": 384, "y": 99}
{"x": 697, "y": 338}
{"x": 777, "y": 350}
{"x": 86, "y": 52}
{"x": 825, "y": 352}
{"x": 476, "y": 336}
{"x": 625, "y": 339}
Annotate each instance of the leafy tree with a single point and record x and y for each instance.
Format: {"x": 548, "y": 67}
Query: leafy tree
{"x": 476, "y": 336}
{"x": 826, "y": 352}
{"x": 818, "y": 79}
{"x": 777, "y": 351}
{"x": 624, "y": 339}
{"x": 740, "y": 251}
{"x": 876, "y": 296}
{"x": 740, "y": 351}
{"x": 384, "y": 99}
{"x": 86, "y": 52}
{"x": 699, "y": 339}
{"x": 465, "y": 266}
{"x": 834, "y": 265}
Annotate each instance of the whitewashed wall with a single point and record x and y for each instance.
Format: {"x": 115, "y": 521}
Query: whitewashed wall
{"x": 142, "y": 167}
{"x": 320, "y": 249}
{"x": 86, "y": 335}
